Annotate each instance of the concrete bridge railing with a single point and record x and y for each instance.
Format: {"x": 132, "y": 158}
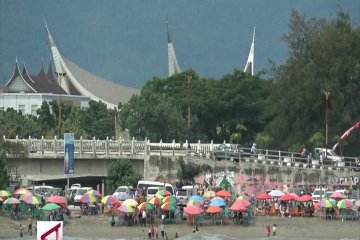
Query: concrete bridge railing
{"x": 108, "y": 148}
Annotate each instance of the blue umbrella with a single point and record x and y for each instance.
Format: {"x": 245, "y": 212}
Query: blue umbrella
{"x": 197, "y": 198}
{"x": 217, "y": 203}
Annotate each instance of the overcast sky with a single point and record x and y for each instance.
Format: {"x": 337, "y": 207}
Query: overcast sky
{"x": 125, "y": 40}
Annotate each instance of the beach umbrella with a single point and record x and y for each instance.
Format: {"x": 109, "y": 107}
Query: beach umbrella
{"x": 145, "y": 206}
{"x": 4, "y": 193}
{"x": 305, "y": 198}
{"x": 242, "y": 197}
{"x": 11, "y": 201}
{"x": 95, "y": 193}
{"x": 326, "y": 203}
{"x": 213, "y": 210}
{"x": 263, "y": 196}
{"x": 295, "y": 195}
{"x": 286, "y": 198}
{"x": 88, "y": 198}
{"x": 21, "y": 191}
{"x": 130, "y": 202}
{"x": 155, "y": 201}
{"x": 239, "y": 206}
{"x": 168, "y": 206}
{"x": 209, "y": 194}
{"x": 345, "y": 203}
{"x": 337, "y": 196}
{"x": 193, "y": 203}
{"x": 223, "y": 194}
{"x": 122, "y": 196}
{"x": 197, "y": 198}
{"x": 276, "y": 193}
{"x": 162, "y": 193}
{"x": 109, "y": 200}
{"x": 30, "y": 199}
{"x": 217, "y": 198}
{"x": 50, "y": 207}
{"x": 171, "y": 199}
{"x": 126, "y": 208}
{"x": 218, "y": 203}
{"x": 56, "y": 199}
{"x": 193, "y": 210}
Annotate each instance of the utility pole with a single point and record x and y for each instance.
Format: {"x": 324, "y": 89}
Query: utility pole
{"x": 188, "y": 77}
{"x": 60, "y": 75}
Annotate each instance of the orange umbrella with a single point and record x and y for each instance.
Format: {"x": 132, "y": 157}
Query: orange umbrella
{"x": 223, "y": 193}
{"x": 214, "y": 210}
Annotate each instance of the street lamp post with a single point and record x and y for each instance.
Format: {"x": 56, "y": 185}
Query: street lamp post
{"x": 60, "y": 75}
{"x": 188, "y": 77}
{"x": 327, "y": 95}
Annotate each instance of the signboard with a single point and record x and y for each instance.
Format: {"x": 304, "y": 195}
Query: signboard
{"x": 69, "y": 153}
{"x": 49, "y": 230}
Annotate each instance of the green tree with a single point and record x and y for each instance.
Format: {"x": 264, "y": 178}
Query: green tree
{"x": 263, "y": 140}
{"x": 187, "y": 172}
{"x": 120, "y": 172}
{"x": 46, "y": 118}
{"x": 236, "y": 137}
{"x": 4, "y": 176}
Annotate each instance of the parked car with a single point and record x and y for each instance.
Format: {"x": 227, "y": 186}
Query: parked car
{"x": 227, "y": 151}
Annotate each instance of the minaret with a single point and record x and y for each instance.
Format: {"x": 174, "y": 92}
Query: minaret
{"x": 173, "y": 64}
{"x": 249, "y": 67}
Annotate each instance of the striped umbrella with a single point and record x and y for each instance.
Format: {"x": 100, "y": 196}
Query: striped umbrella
{"x": 209, "y": 194}
{"x": 30, "y": 199}
{"x": 145, "y": 206}
{"x": 95, "y": 193}
{"x": 170, "y": 199}
{"x": 162, "y": 193}
{"x": 168, "y": 206}
{"x": 88, "y": 198}
{"x": 126, "y": 208}
{"x": 109, "y": 200}
{"x": 4, "y": 193}
{"x": 326, "y": 203}
{"x": 155, "y": 201}
{"x": 11, "y": 201}
{"x": 193, "y": 203}
{"x": 345, "y": 203}
{"x": 130, "y": 202}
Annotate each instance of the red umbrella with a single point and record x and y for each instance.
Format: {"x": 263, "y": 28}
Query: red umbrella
{"x": 238, "y": 206}
{"x": 286, "y": 198}
{"x": 56, "y": 199}
{"x": 223, "y": 193}
{"x": 295, "y": 195}
{"x": 214, "y": 209}
{"x": 337, "y": 196}
{"x": 193, "y": 210}
{"x": 304, "y": 198}
{"x": 263, "y": 196}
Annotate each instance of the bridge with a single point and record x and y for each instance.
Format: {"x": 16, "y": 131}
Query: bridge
{"x": 93, "y": 157}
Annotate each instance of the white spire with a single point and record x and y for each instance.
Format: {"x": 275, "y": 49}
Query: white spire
{"x": 172, "y": 61}
{"x": 249, "y": 67}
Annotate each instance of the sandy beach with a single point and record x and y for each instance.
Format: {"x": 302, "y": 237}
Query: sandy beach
{"x": 96, "y": 227}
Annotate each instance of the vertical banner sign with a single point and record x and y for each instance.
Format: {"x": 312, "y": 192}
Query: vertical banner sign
{"x": 69, "y": 153}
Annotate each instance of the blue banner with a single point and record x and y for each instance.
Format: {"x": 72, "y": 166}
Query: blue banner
{"x": 69, "y": 153}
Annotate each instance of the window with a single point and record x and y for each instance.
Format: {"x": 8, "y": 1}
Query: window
{"x": 21, "y": 109}
{"x": 33, "y": 109}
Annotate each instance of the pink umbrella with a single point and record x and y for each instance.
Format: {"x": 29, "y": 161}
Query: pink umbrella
{"x": 304, "y": 198}
{"x": 263, "y": 196}
{"x": 287, "y": 198}
{"x": 240, "y": 206}
{"x": 56, "y": 199}
{"x": 295, "y": 195}
{"x": 193, "y": 210}
{"x": 337, "y": 196}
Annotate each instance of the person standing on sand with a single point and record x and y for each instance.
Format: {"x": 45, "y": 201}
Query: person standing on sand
{"x": 156, "y": 232}
{"x": 162, "y": 230}
{"x": 149, "y": 232}
{"x": 21, "y": 230}
{"x": 274, "y": 230}
{"x": 268, "y": 231}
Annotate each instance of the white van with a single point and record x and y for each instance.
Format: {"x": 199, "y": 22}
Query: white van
{"x": 330, "y": 155}
{"x": 41, "y": 190}
{"x": 79, "y": 193}
{"x": 151, "y": 191}
{"x": 319, "y": 193}
{"x": 121, "y": 190}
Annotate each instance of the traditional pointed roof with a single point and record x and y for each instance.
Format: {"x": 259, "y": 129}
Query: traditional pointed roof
{"x": 17, "y": 83}
{"x": 249, "y": 67}
{"x": 87, "y": 84}
{"x": 172, "y": 61}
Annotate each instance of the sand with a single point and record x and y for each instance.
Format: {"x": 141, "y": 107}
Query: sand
{"x": 95, "y": 227}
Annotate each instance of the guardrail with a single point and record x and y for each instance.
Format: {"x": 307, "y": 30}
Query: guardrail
{"x": 116, "y": 148}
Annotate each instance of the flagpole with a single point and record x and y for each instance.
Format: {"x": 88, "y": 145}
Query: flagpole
{"x": 327, "y": 95}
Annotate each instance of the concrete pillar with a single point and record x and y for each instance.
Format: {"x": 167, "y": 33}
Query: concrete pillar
{"x": 94, "y": 147}
{"x": 81, "y": 146}
{"x": 55, "y": 146}
{"x": 160, "y": 146}
{"x": 120, "y": 146}
{"x": 173, "y": 147}
{"x": 28, "y": 145}
{"x": 107, "y": 146}
{"x": 145, "y": 146}
{"x": 198, "y": 147}
{"x": 103, "y": 187}
{"x": 42, "y": 145}
{"x": 132, "y": 145}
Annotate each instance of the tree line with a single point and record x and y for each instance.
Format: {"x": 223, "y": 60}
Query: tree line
{"x": 286, "y": 110}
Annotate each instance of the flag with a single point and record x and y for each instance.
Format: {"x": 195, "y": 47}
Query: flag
{"x": 347, "y": 133}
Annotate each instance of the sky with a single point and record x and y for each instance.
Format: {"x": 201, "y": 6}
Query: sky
{"x": 125, "y": 41}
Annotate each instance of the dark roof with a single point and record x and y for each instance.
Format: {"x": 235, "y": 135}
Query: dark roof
{"x": 17, "y": 74}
